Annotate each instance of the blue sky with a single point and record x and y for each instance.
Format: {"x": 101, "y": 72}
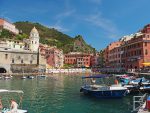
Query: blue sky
{"x": 98, "y": 21}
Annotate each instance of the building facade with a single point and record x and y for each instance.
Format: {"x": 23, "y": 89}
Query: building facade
{"x": 78, "y": 59}
{"x": 95, "y": 60}
{"x": 8, "y": 26}
{"x": 54, "y": 57}
{"x": 136, "y": 50}
{"x": 16, "y": 53}
{"x": 130, "y": 52}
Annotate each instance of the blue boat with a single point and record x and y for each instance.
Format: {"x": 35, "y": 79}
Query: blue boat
{"x": 139, "y": 85}
{"x": 102, "y": 91}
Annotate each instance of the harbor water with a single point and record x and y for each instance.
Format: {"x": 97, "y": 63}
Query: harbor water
{"x": 61, "y": 94}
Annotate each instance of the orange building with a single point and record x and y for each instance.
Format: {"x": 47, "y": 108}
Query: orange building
{"x": 78, "y": 59}
{"x": 136, "y": 50}
{"x": 130, "y": 52}
{"x": 112, "y": 56}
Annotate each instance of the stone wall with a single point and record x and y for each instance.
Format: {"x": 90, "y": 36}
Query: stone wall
{"x": 7, "y": 58}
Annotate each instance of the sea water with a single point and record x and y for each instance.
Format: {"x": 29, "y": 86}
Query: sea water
{"x": 61, "y": 94}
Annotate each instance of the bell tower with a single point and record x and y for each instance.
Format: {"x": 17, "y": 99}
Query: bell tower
{"x": 34, "y": 40}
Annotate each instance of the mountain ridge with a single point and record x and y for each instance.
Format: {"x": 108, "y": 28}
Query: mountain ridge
{"x": 53, "y": 37}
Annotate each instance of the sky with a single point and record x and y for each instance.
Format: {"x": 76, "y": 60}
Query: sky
{"x": 100, "y": 22}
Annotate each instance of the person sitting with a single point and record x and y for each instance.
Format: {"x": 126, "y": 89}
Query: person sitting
{"x": 1, "y": 105}
{"x": 13, "y": 106}
{"x": 116, "y": 82}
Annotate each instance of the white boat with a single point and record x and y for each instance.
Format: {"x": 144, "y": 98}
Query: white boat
{"x": 30, "y": 77}
{"x": 7, "y": 77}
{"x": 7, "y": 108}
{"x": 23, "y": 77}
{"x": 42, "y": 76}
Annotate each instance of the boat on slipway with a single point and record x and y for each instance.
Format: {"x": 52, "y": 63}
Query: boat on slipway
{"x": 93, "y": 88}
{"x": 5, "y": 92}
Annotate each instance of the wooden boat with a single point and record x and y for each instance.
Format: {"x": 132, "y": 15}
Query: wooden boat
{"x": 102, "y": 91}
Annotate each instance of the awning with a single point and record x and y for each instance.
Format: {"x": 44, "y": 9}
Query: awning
{"x": 49, "y": 66}
{"x": 146, "y": 63}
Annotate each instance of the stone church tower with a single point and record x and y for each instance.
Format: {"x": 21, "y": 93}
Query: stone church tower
{"x": 34, "y": 40}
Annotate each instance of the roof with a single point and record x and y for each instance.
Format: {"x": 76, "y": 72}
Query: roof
{"x": 10, "y": 91}
{"x": 34, "y": 30}
{"x": 96, "y": 76}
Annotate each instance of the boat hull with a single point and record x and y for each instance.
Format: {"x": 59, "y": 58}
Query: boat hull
{"x": 105, "y": 94}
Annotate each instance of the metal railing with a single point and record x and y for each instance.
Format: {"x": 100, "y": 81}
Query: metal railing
{"x": 138, "y": 102}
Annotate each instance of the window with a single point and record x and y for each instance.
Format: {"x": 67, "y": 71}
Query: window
{"x": 145, "y": 43}
{"x": 30, "y": 61}
{"x": 21, "y": 60}
{"x": 6, "y": 56}
{"x": 13, "y": 61}
{"x": 146, "y": 52}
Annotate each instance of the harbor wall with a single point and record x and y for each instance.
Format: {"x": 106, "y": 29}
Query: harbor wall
{"x": 74, "y": 70}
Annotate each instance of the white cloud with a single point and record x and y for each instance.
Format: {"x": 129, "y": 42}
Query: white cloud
{"x": 65, "y": 14}
{"x": 59, "y": 20}
{"x": 59, "y": 28}
{"x": 106, "y": 24}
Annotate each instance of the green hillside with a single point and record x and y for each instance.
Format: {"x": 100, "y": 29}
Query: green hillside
{"x": 53, "y": 37}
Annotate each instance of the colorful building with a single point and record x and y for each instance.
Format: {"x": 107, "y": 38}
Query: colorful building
{"x": 54, "y": 57}
{"x": 8, "y": 26}
{"x": 78, "y": 59}
{"x": 112, "y": 57}
{"x": 95, "y": 60}
{"x": 131, "y": 52}
{"x": 136, "y": 51}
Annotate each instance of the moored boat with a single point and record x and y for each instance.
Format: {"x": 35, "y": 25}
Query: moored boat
{"x": 42, "y": 76}
{"x": 30, "y": 77}
{"x": 23, "y": 77}
{"x": 102, "y": 91}
{"x": 141, "y": 85}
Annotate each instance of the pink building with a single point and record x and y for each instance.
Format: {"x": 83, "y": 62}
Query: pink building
{"x": 8, "y": 26}
{"x": 94, "y": 60}
{"x": 53, "y": 56}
